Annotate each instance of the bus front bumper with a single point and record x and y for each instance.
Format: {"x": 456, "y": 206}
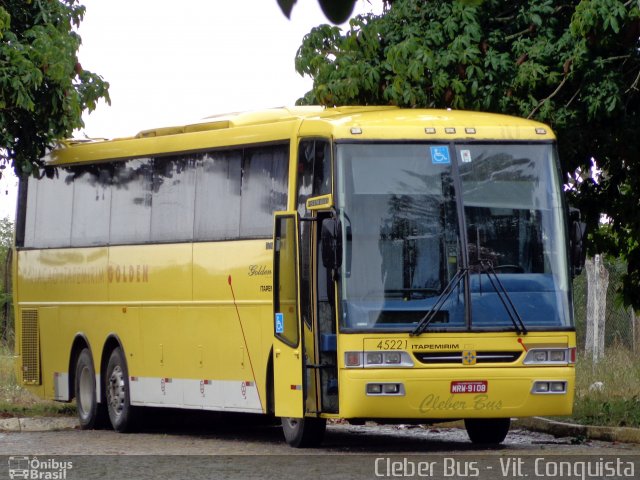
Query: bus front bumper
{"x": 455, "y": 393}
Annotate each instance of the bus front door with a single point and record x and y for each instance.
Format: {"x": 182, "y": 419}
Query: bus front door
{"x": 288, "y": 345}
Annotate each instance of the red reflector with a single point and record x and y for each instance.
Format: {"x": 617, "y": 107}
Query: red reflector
{"x": 572, "y": 355}
{"x": 296, "y": 387}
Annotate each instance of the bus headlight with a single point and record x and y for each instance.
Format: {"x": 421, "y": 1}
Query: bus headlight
{"x": 393, "y": 358}
{"x": 374, "y": 358}
{"x": 557, "y": 355}
{"x": 378, "y": 359}
{"x": 375, "y": 389}
{"x": 550, "y": 356}
{"x": 540, "y": 356}
{"x": 549, "y": 387}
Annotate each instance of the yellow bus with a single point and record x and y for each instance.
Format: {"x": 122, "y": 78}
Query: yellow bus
{"x": 364, "y": 263}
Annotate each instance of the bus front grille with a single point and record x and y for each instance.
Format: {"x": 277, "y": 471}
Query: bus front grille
{"x": 431, "y": 358}
{"x": 30, "y": 348}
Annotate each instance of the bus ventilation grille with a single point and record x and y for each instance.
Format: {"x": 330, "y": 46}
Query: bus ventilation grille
{"x": 456, "y": 357}
{"x": 30, "y": 348}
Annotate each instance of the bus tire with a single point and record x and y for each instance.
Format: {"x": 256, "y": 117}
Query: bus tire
{"x": 304, "y": 432}
{"x": 116, "y": 387}
{"x": 91, "y": 414}
{"x": 487, "y": 431}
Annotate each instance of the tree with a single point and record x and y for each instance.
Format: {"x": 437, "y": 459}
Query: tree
{"x": 43, "y": 88}
{"x": 574, "y": 65}
{"x": 6, "y": 239}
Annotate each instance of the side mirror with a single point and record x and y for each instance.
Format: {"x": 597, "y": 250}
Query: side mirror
{"x": 576, "y": 241}
{"x": 331, "y": 240}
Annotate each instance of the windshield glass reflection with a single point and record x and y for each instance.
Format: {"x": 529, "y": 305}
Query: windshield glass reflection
{"x": 402, "y": 243}
{"x": 401, "y": 235}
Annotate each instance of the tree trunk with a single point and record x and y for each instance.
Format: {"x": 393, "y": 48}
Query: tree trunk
{"x": 597, "y": 284}
{"x": 635, "y": 331}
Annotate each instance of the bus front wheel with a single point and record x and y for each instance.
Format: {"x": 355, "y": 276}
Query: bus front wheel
{"x": 487, "y": 430}
{"x": 91, "y": 414}
{"x": 303, "y": 432}
{"x": 117, "y": 392}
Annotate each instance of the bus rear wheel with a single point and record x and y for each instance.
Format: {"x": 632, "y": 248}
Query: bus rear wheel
{"x": 117, "y": 392}
{"x": 91, "y": 414}
{"x": 487, "y": 431}
{"x": 304, "y": 432}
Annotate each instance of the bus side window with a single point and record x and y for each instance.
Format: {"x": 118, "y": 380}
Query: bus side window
{"x": 131, "y": 191}
{"x": 49, "y": 211}
{"x": 314, "y": 171}
{"x": 314, "y": 178}
{"x": 263, "y": 189}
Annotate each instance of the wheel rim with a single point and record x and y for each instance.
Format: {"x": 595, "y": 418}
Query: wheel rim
{"x": 116, "y": 391}
{"x": 85, "y": 391}
{"x": 292, "y": 423}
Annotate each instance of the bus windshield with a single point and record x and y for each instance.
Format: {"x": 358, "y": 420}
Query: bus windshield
{"x": 413, "y": 221}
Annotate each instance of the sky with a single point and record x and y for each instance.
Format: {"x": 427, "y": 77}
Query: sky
{"x": 171, "y": 63}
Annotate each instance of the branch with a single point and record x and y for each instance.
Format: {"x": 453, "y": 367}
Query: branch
{"x": 634, "y": 85}
{"x": 561, "y": 7}
{"x": 613, "y": 59}
{"x": 555, "y": 92}
{"x": 505, "y": 19}
{"x": 516, "y": 35}
{"x": 573, "y": 98}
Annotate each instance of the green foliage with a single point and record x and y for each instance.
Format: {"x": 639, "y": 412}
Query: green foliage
{"x": 598, "y": 409}
{"x": 616, "y": 402}
{"x": 6, "y": 239}
{"x": 43, "y": 88}
{"x": 18, "y": 402}
{"x": 6, "y": 234}
{"x": 574, "y": 65}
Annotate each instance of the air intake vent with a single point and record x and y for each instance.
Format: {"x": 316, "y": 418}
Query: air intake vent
{"x": 30, "y": 348}
{"x": 456, "y": 357}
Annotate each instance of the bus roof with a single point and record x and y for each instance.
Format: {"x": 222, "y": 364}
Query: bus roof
{"x": 280, "y": 124}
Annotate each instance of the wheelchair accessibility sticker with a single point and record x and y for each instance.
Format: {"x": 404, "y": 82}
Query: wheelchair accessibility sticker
{"x": 279, "y": 323}
{"x": 440, "y": 155}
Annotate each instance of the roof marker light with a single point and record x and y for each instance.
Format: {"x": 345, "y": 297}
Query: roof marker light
{"x": 470, "y": 130}
{"x": 541, "y": 131}
{"x": 356, "y": 131}
{"x": 429, "y": 130}
{"x": 450, "y": 130}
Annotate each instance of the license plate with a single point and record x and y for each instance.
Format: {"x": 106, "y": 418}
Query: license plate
{"x": 476, "y": 386}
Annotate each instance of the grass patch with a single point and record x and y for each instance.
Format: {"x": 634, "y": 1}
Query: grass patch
{"x": 608, "y": 392}
{"x": 15, "y": 401}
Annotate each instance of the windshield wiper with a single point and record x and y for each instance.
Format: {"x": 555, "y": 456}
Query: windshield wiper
{"x": 442, "y": 298}
{"x": 487, "y": 268}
